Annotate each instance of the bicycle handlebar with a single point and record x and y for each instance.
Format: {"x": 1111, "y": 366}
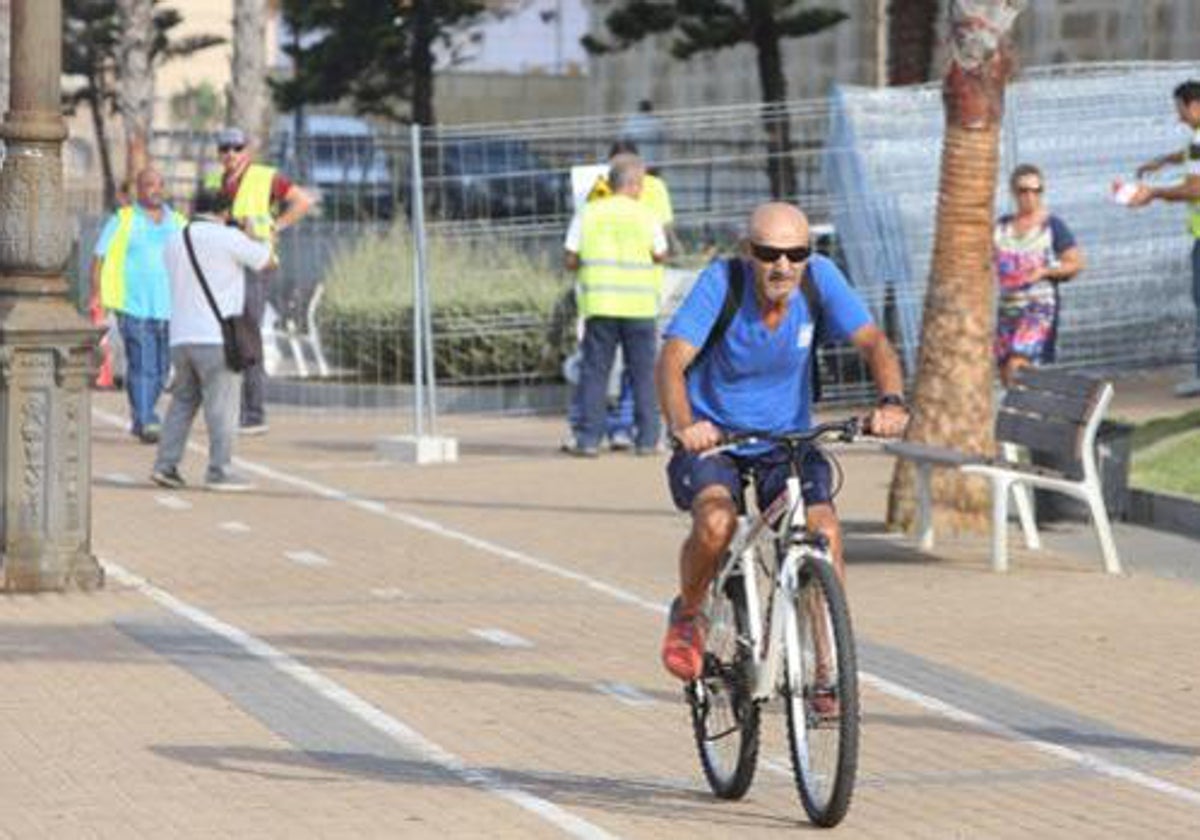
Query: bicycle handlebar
{"x": 846, "y": 431}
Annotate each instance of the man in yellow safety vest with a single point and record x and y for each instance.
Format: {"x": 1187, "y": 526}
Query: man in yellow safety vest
{"x": 131, "y": 281}
{"x": 615, "y": 244}
{"x": 265, "y": 203}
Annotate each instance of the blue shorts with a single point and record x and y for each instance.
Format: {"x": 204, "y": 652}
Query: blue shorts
{"x": 688, "y": 474}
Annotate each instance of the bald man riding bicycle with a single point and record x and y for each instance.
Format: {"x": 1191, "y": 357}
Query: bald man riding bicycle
{"x": 753, "y": 377}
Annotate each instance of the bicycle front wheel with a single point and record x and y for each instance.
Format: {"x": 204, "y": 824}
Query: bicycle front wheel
{"x": 821, "y": 695}
{"x": 724, "y": 715}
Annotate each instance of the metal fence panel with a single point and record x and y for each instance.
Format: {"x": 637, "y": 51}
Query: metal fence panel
{"x": 497, "y": 201}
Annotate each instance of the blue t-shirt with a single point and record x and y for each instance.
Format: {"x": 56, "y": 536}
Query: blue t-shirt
{"x": 756, "y": 379}
{"x": 147, "y": 287}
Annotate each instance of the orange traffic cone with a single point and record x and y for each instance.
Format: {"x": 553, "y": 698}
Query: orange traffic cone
{"x": 104, "y": 371}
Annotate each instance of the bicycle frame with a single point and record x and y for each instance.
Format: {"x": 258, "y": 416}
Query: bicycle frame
{"x": 787, "y": 511}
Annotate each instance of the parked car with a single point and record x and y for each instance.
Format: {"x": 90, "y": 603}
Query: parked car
{"x": 343, "y": 160}
{"x": 491, "y": 178}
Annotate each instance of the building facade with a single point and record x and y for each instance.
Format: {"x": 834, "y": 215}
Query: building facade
{"x": 854, "y": 51}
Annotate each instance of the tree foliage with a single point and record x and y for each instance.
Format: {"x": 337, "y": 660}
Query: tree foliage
{"x": 379, "y": 55}
{"x": 91, "y": 43}
{"x": 706, "y": 25}
{"x": 700, "y": 26}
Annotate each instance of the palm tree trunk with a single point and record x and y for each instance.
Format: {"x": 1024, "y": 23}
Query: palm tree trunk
{"x": 5, "y": 46}
{"x": 95, "y": 105}
{"x": 135, "y": 81}
{"x": 912, "y": 34}
{"x": 422, "y": 62}
{"x": 952, "y": 400}
{"x": 248, "y": 104}
{"x": 781, "y": 168}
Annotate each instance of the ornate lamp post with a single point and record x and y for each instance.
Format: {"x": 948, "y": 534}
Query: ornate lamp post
{"x": 45, "y": 346}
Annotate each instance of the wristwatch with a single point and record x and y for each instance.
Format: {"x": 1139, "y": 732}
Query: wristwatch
{"x": 892, "y": 399}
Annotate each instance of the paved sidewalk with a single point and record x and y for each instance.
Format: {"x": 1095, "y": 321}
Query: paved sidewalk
{"x": 363, "y": 649}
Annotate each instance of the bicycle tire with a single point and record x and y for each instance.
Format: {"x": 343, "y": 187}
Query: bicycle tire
{"x": 725, "y": 718}
{"x": 823, "y": 715}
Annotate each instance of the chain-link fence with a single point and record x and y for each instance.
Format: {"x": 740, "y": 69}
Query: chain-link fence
{"x": 498, "y": 200}
{"x": 1083, "y": 127}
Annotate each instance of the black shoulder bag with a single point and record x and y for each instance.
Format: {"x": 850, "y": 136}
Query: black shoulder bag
{"x": 239, "y": 335}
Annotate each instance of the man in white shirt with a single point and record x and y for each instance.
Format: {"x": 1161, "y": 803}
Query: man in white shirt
{"x": 1187, "y": 105}
{"x": 202, "y": 378}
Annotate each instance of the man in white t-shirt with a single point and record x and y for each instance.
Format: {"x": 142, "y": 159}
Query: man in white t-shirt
{"x": 202, "y": 378}
{"x": 1187, "y": 105}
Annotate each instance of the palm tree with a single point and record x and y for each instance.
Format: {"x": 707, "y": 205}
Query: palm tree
{"x": 248, "y": 100}
{"x": 135, "y": 80}
{"x": 952, "y": 400}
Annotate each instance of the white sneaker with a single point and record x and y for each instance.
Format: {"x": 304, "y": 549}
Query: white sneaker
{"x": 1191, "y": 388}
{"x": 227, "y": 482}
{"x": 620, "y": 440}
{"x": 254, "y": 429}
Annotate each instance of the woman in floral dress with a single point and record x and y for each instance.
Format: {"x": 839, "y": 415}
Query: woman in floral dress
{"x": 1034, "y": 252}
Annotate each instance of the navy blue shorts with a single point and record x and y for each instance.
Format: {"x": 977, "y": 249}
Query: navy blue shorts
{"x": 688, "y": 474}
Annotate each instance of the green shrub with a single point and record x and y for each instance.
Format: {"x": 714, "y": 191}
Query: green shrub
{"x": 492, "y": 307}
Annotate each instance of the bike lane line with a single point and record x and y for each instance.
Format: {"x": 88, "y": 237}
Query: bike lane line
{"x": 360, "y": 709}
{"x": 1087, "y": 761}
{"x": 1090, "y": 762}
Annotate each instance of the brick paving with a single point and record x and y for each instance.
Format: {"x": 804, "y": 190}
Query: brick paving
{"x": 317, "y": 658}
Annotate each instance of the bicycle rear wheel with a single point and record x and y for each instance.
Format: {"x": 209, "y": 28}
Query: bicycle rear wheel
{"x": 821, "y": 695}
{"x": 725, "y": 718}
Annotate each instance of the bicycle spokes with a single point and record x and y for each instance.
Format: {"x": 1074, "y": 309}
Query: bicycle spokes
{"x": 821, "y": 694}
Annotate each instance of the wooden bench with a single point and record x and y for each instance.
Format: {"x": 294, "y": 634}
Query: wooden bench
{"x": 1046, "y": 411}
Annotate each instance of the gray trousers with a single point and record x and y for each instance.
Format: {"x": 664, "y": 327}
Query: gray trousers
{"x": 254, "y": 378}
{"x": 201, "y": 379}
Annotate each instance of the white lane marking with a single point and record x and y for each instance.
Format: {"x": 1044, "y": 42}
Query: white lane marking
{"x": 1108, "y": 768}
{"x": 501, "y": 637}
{"x": 390, "y": 593}
{"x": 373, "y": 716}
{"x": 119, "y": 478}
{"x": 428, "y": 525}
{"x": 172, "y": 502}
{"x": 307, "y": 558}
{"x": 235, "y": 527}
{"x": 625, "y": 693}
{"x": 1089, "y": 762}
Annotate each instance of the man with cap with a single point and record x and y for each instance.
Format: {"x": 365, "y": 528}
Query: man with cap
{"x": 265, "y": 203}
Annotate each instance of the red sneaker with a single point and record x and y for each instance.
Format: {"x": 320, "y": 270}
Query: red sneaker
{"x": 824, "y": 703}
{"x": 683, "y": 647}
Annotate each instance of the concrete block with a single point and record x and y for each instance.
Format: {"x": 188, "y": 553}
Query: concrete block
{"x": 418, "y": 449}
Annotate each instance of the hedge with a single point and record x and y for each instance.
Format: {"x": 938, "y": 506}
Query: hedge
{"x": 493, "y": 310}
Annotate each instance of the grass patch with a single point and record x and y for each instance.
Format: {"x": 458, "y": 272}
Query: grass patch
{"x": 1161, "y": 428}
{"x": 1168, "y": 461}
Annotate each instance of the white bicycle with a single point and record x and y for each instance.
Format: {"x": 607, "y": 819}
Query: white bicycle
{"x": 798, "y": 645}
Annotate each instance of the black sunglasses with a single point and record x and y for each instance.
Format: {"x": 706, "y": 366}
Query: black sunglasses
{"x": 1035, "y": 190}
{"x": 770, "y": 254}
{"x": 222, "y": 149}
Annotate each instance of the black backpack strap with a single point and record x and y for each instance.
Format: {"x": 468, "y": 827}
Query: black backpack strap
{"x": 812, "y": 296}
{"x": 729, "y": 307}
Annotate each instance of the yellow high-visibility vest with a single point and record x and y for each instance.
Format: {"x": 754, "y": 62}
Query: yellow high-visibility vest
{"x": 657, "y": 198}
{"x": 654, "y": 195}
{"x": 253, "y": 199}
{"x": 112, "y": 271}
{"x": 617, "y": 275}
